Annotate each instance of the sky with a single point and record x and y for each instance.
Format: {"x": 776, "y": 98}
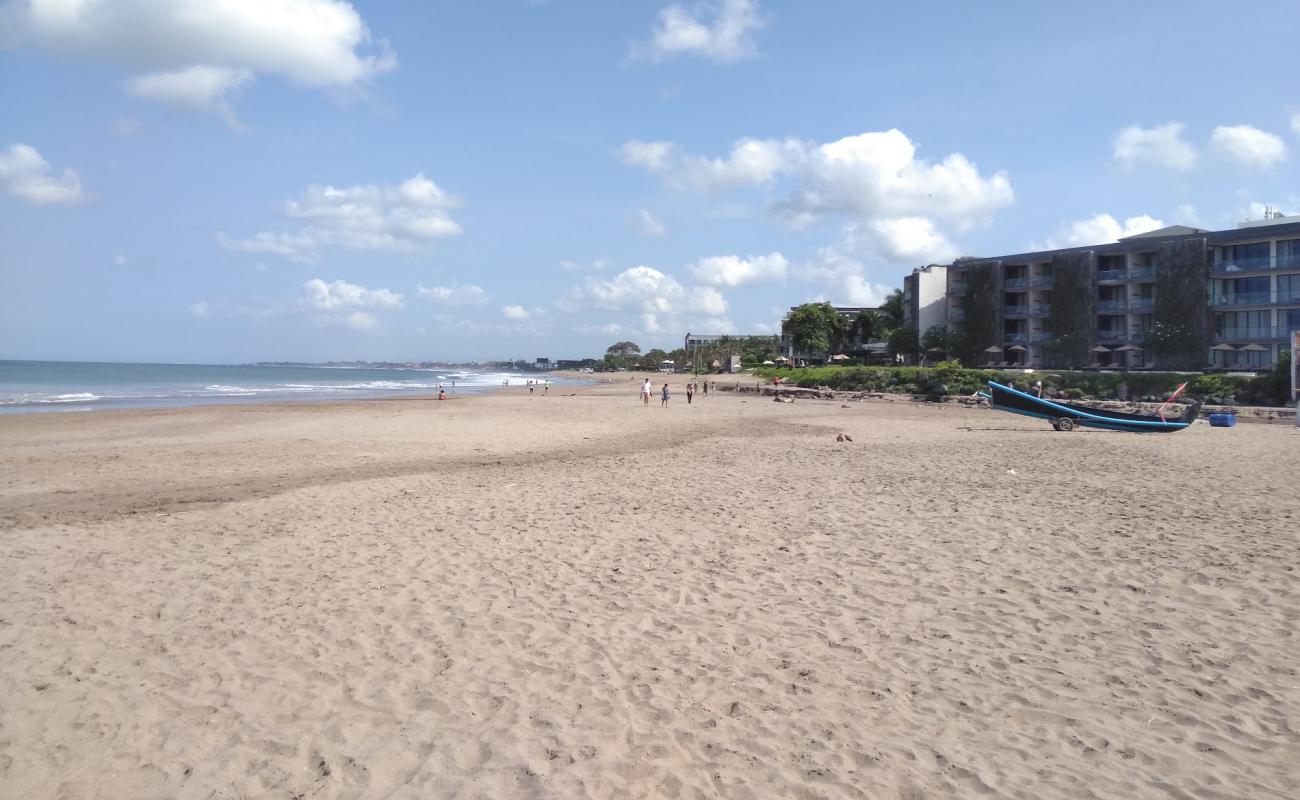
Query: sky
{"x": 311, "y": 180}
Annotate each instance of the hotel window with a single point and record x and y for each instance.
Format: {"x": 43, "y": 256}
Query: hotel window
{"x": 1288, "y": 288}
{"x": 1291, "y": 322}
{"x": 1288, "y": 253}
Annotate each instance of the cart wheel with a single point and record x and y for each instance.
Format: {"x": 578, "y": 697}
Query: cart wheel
{"x": 1064, "y": 424}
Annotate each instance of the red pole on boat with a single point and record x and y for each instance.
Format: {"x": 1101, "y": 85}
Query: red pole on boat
{"x": 1178, "y": 391}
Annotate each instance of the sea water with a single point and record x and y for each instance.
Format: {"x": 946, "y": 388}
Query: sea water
{"x": 27, "y": 386}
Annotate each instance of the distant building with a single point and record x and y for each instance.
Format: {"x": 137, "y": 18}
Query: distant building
{"x": 542, "y": 363}
{"x": 925, "y": 298}
{"x": 856, "y": 346}
{"x": 698, "y": 340}
{"x": 1229, "y": 298}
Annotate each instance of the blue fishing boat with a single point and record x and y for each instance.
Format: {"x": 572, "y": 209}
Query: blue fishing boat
{"x": 1067, "y": 416}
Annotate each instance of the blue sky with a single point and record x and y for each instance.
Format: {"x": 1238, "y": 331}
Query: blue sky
{"x": 319, "y": 180}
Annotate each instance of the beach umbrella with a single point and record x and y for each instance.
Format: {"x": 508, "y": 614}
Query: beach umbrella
{"x": 782, "y": 360}
{"x": 993, "y": 349}
{"x": 1255, "y": 348}
{"x": 839, "y": 357}
{"x": 935, "y": 350}
{"x": 1223, "y": 347}
{"x": 1019, "y": 348}
{"x": 716, "y": 364}
{"x": 1100, "y": 349}
{"x": 768, "y": 363}
{"x": 1127, "y": 348}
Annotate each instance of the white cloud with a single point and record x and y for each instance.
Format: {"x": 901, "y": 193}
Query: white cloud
{"x": 200, "y": 309}
{"x": 1248, "y": 145}
{"x": 1162, "y": 146}
{"x": 119, "y": 260}
{"x": 24, "y": 173}
{"x": 515, "y": 311}
{"x": 594, "y": 266}
{"x": 338, "y": 295}
{"x": 651, "y": 225}
{"x": 406, "y": 218}
{"x": 874, "y": 176}
{"x": 860, "y": 292}
{"x": 658, "y": 299}
{"x": 734, "y": 271}
{"x": 1099, "y": 229}
{"x": 456, "y": 294}
{"x": 843, "y": 273}
{"x": 720, "y": 31}
{"x": 198, "y": 88}
{"x": 314, "y": 43}
{"x": 911, "y": 240}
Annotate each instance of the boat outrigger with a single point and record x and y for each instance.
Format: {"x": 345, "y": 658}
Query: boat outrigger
{"x": 1066, "y": 416}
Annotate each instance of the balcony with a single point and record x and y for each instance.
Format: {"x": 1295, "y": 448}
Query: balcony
{"x": 1290, "y": 261}
{"x": 1141, "y": 304}
{"x": 1041, "y": 282}
{"x": 1142, "y": 274}
{"x": 1015, "y": 311}
{"x": 1111, "y": 306}
{"x": 1110, "y": 275}
{"x": 1291, "y": 296}
{"x": 1247, "y": 334}
{"x": 1039, "y": 337}
{"x": 1253, "y": 264}
{"x": 1112, "y": 336}
{"x": 956, "y": 314}
{"x": 1016, "y": 283}
{"x": 1243, "y": 299}
{"x": 957, "y": 289}
{"x": 1040, "y": 310}
{"x": 1015, "y": 338}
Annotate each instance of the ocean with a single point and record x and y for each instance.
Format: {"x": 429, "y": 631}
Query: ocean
{"x": 33, "y": 386}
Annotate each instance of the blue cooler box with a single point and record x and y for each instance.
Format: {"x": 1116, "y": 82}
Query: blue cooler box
{"x": 1223, "y": 420}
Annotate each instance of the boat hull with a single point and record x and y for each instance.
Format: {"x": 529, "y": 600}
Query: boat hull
{"x": 1005, "y": 398}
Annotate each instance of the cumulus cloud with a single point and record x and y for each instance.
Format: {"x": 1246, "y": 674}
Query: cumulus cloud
{"x": 874, "y": 178}
{"x": 650, "y": 225}
{"x": 658, "y": 299}
{"x": 719, "y": 31}
{"x": 1161, "y": 146}
{"x": 456, "y": 294}
{"x": 195, "y": 53}
{"x": 1099, "y": 229}
{"x": 911, "y": 240}
{"x": 732, "y": 271}
{"x": 24, "y": 173}
{"x": 1249, "y": 146}
{"x": 339, "y": 294}
{"x": 199, "y": 88}
{"x": 843, "y": 271}
{"x": 515, "y": 311}
{"x": 407, "y": 217}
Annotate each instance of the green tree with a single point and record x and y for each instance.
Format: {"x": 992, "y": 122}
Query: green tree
{"x": 904, "y": 341}
{"x": 940, "y": 337}
{"x": 623, "y": 350}
{"x": 651, "y": 359}
{"x": 814, "y": 328}
{"x": 893, "y": 310}
{"x": 866, "y": 326}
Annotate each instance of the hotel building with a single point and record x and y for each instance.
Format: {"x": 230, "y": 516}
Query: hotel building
{"x": 1216, "y": 299}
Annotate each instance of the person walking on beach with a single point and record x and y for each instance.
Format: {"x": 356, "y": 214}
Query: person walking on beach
{"x": 546, "y": 387}
{"x": 706, "y": 387}
{"x": 690, "y": 392}
{"x": 646, "y": 390}
{"x": 663, "y": 402}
